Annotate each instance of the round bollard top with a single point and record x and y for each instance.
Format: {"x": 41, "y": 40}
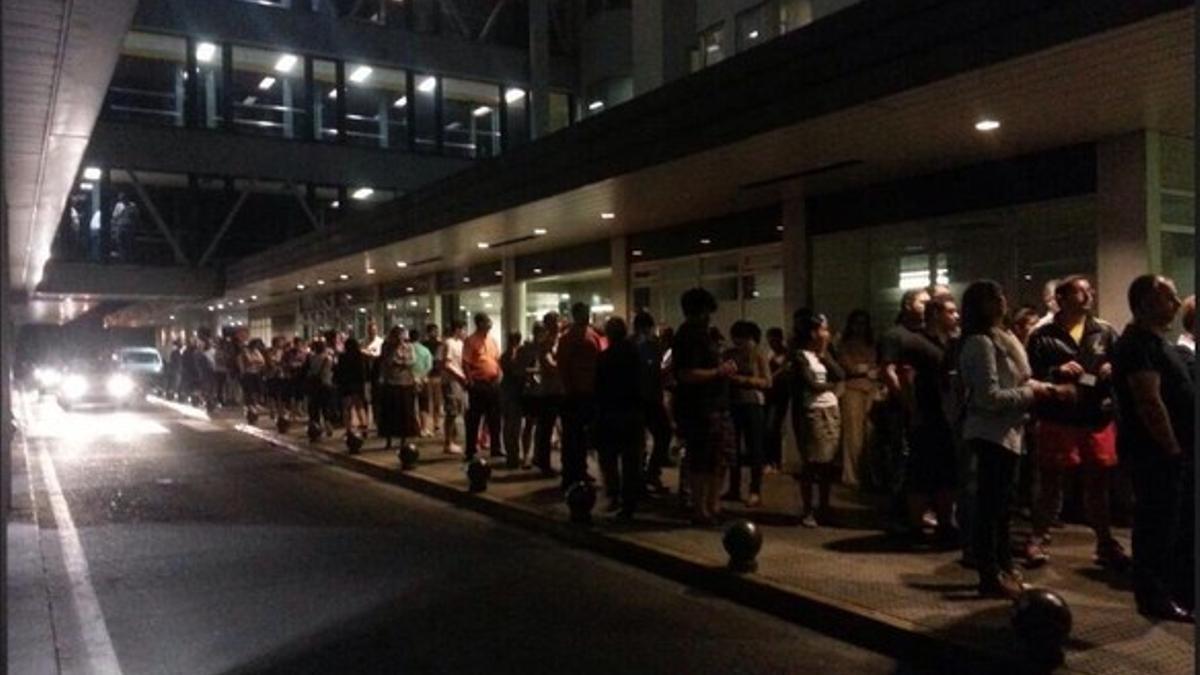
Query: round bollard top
{"x": 742, "y": 540}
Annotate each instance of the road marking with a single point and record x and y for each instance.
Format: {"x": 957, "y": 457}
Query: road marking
{"x": 100, "y": 656}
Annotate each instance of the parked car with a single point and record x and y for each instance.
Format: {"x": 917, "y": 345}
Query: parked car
{"x": 143, "y": 364}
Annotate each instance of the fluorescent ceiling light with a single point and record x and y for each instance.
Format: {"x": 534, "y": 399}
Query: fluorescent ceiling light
{"x": 484, "y": 294}
{"x": 513, "y": 95}
{"x": 537, "y": 270}
{"x": 320, "y": 282}
{"x": 713, "y": 48}
{"x": 637, "y": 252}
{"x": 86, "y": 187}
{"x": 706, "y": 241}
{"x": 481, "y": 111}
{"x": 363, "y": 193}
{"x": 335, "y": 204}
{"x": 285, "y": 63}
{"x": 267, "y": 83}
{"x": 608, "y": 215}
{"x": 333, "y": 93}
{"x": 299, "y": 287}
{"x": 408, "y": 289}
{"x": 220, "y": 305}
{"x": 370, "y": 270}
{"x": 171, "y": 317}
{"x": 92, "y": 173}
{"x": 427, "y": 85}
{"x": 482, "y": 244}
{"x": 400, "y": 102}
{"x": 753, "y": 35}
{"x": 241, "y": 301}
{"x": 595, "y": 105}
{"x": 343, "y": 277}
{"x": 360, "y": 74}
{"x": 253, "y": 297}
{"x": 401, "y": 264}
{"x": 211, "y": 308}
{"x": 987, "y": 125}
{"x": 205, "y": 52}
{"x": 539, "y": 231}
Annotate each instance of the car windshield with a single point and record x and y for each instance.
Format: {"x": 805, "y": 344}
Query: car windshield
{"x": 139, "y": 357}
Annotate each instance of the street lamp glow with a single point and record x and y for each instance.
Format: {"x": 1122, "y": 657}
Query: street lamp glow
{"x": 363, "y": 193}
{"x": 987, "y": 125}
{"x": 285, "y": 63}
{"x": 205, "y": 52}
{"x": 360, "y": 74}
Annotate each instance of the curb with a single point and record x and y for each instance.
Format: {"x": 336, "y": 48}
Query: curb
{"x": 862, "y": 626}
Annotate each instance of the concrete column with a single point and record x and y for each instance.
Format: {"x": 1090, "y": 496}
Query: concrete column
{"x": 797, "y": 280}
{"x": 435, "y": 302}
{"x": 1124, "y": 170}
{"x": 539, "y": 67}
{"x": 513, "y": 298}
{"x": 620, "y": 276}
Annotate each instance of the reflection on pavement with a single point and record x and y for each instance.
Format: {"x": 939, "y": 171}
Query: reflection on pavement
{"x": 51, "y": 421}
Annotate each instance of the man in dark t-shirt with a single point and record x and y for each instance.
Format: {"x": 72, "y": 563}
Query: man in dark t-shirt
{"x": 1155, "y": 436}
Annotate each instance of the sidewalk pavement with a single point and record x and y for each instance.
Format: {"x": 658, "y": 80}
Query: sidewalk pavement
{"x": 849, "y": 579}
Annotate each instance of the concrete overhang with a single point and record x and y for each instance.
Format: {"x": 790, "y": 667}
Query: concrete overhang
{"x": 128, "y": 282}
{"x": 883, "y": 90}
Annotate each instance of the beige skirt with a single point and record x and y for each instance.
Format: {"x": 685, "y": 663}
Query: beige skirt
{"x": 821, "y": 436}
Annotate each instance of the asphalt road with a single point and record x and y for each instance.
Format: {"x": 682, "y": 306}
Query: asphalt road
{"x": 207, "y": 551}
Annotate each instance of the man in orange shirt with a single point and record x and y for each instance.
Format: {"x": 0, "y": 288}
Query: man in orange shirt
{"x": 481, "y": 364}
{"x": 578, "y": 349}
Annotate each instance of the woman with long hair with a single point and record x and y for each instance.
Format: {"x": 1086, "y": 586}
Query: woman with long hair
{"x": 999, "y": 393}
{"x": 350, "y": 375}
{"x": 856, "y": 355}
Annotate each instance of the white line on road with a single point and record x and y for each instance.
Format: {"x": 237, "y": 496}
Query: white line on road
{"x": 98, "y": 646}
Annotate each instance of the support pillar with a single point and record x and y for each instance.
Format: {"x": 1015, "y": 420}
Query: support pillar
{"x": 512, "y": 294}
{"x": 1125, "y": 168}
{"x": 435, "y": 303}
{"x": 539, "y": 68}
{"x": 620, "y": 276}
{"x": 797, "y": 278}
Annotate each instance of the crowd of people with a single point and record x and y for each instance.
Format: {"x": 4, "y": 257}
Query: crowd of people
{"x": 959, "y": 413}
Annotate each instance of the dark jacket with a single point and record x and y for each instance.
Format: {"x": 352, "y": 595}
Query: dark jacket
{"x": 1050, "y": 347}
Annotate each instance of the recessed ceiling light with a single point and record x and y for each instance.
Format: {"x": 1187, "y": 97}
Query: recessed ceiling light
{"x": 466, "y": 280}
{"x": 413, "y": 303}
{"x": 266, "y": 83}
{"x": 713, "y": 48}
{"x": 595, "y": 105}
{"x": 171, "y": 318}
{"x": 608, "y": 215}
{"x": 400, "y": 102}
{"x": 205, "y": 52}
{"x": 753, "y": 35}
{"x": 370, "y": 270}
{"x": 360, "y": 74}
{"x": 253, "y": 297}
{"x": 487, "y": 305}
{"x": 408, "y": 289}
{"x": 285, "y": 63}
{"x": 513, "y": 95}
{"x": 539, "y": 231}
{"x": 343, "y": 277}
{"x": 706, "y": 241}
{"x": 427, "y": 85}
{"x": 335, "y": 204}
{"x": 362, "y": 310}
{"x": 220, "y": 305}
{"x": 401, "y": 264}
{"x": 363, "y": 193}
{"x": 211, "y": 308}
{"x": 482, "y": 244}
{"x": 86, "y": 187}
{"x": 537, "y": 270}
{"x": 564, "y": 296}
{"x": 92, "y": 173}
{"x": 485, "y": 294}
{"x": 779, "y": 228}
{"x": 987, "y": 125}
{"x": 498, "y": 273}
{"x": 241, "y": 301}
{"x": 333, "y": 93}
{"x": 299, "y": 287}
{"x": 637, "y": 252}
{"x": 481, "y": 111}
{"x": 320, "y": 282}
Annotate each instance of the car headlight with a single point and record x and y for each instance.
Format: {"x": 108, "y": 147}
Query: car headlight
{"x": 47, "y": 377}
{"x": 120, "y": 386}
{"x": 74, "y": 386}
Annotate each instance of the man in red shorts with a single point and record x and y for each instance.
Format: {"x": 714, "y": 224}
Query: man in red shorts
{"x": 1078, "y": 435}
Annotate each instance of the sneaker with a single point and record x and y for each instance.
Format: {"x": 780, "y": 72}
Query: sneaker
{"x": 1111, "y": 555}
{"x": 1035, "y": 556}
{"x": 809, "y": 520}
{"x": 452, "y": 449}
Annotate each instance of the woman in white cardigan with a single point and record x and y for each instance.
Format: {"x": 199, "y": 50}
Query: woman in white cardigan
{"x": 999, "y": 394}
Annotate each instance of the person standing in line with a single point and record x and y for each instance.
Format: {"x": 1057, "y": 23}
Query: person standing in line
{"x": 816, "y": 418}
{"x": 1077, "y": 436}
{"x": 434, "y": 406}
{"x": 174, "y": 370}
{"x": 397, "y": 389}
{"x": 1155, "y": 396}
{"x": 319, "y": 377}
{"x": 295, "y": 362}
{"x": 527, "y": 363}
{"x": 1048, "y": 302}
{"x": 481, "y": 366}
{"x": 999, "y": 393}
{"x": 932, "y": 472}
{"x": 701, "y": 404}
{"x": 251, "y": 364}
{"x": 512, "y": 386}
{"x": 422, "y": 366}
{"x": 550, "y": 388}
{"x": 371, "y": 348}
{"x": 1024, "y": 320}
{"x": 658, "y": 422}
{"x": 777, "y": 399}
{"x": 748, "y": 401}
{"x": 856, "y": 355}
{"x": 273, "y": 376}
{"x": 620, "y": 419}
{"x": 899, "y": 349}
{"x": 454, "y": 382}
{"x": 351, "y": 373}
{"x": 578, "y": 350}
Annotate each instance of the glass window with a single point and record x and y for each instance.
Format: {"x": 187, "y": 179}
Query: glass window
{"x": 557, "y": 294}
{"x": 267, "y": 92}
{"x": 471, "y": 115}
{"x": 560, "y": 112}
{"x": 516, "y": 103}
{"x": 487, "y": 300}
{"x": 711, "y": 41}
{"x": 376, "y": 106}
{"x": 793, "y": 14}
{"x": 424, "y": 99}
{"x": 210, "y": 86}
{"x": 325, "y": 127}
{"x": 751, "y": 27}
{"x": 148, "y": 83}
